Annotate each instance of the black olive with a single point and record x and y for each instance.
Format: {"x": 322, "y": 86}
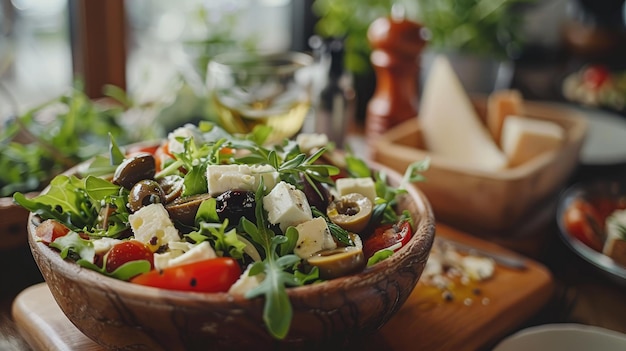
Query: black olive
{"x": 134, "y": 169}
{"x": 143, "y": 193}
{"x": 234, "y": 204}
{"x": 317, "y": 194}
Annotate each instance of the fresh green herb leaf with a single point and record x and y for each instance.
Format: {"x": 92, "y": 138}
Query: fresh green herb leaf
{"x": 379, "y": 256}
{"x": 224, "y": 242}
{"x": 336, "y": 231}
{"x": 73, "y": 243}
{"x": 277, "y": 311}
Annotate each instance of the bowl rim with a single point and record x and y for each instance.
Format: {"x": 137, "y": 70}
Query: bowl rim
{"x": 597, "y": 259}
{"x": 418, "y": 246}
{"x": 561, "y": 330}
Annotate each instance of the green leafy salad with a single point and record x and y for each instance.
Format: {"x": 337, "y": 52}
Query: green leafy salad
{"x": 52, "y": 137}
{"x": 207, "y": 211}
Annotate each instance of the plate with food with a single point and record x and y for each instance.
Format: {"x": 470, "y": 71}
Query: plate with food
{"x": 592, "y": 221}
{"x": 208, "y": 236}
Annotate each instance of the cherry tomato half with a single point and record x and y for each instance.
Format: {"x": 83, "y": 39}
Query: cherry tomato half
{"x": 127, "y": 251}
{"x": 212, "y": 275}
{"x": 581, "y": 220}
{"x": 386, "y": 236}
{"x": 596, "y": 76}
{"x": 49, "y": 230}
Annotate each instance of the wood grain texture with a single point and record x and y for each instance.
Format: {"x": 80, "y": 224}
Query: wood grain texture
{"x": 425, "y": 321}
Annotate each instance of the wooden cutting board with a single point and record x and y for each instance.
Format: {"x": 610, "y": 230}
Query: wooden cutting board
{"x": 425, "y": 322}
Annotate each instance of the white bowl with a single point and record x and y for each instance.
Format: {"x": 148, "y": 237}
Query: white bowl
{"x": 567, "y": 336}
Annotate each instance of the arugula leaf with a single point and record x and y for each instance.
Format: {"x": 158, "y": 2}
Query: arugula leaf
{"x": 124, "y": 272}
{"x": 387, "y": 196}
{"x": 65, "y": 201}
{"x": 223, "y": 241}
{"x": 379, "y": 256}
{"x": 277, "y": 311}
{"x": 77, "y": 203}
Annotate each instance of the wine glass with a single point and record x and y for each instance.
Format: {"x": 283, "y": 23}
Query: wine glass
{"x": 250, "y": 89}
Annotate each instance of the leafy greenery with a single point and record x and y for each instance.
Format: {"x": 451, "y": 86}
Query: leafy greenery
{"x": 481, "y": 27}
{"x": 33, "y": 151}
{"x": 350, "y": 19}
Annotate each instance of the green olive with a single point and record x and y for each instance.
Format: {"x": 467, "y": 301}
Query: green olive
{"x": 144, "y": 193}
{"x": 338, "y": 262}
{"x": 352, "y": 212}
{"x": 134, "y": 169}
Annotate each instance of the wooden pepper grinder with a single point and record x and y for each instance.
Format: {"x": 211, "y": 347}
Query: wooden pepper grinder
{"x": 397, "y": 45}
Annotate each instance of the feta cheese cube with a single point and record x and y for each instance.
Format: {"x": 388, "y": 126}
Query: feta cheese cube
{"x": 103, "y": 245}
{"x": 195, "y": 253}
{"x": 364, "y": 186}
{"x": 246, "y": 282}
{"x": 287, "y": 206}
{"x": 313, "y": 236}
{"x": 308, "y": 142}
{"x": 221, "y": 178}
{"x": 152, "y": 226}
{"x": 187, "y": 131}
{"x": 615, "y": 243}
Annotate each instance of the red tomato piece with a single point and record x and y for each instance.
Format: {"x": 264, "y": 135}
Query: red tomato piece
{"x": 582, "y": 220}
{"x": 133, "y": 150}
{"x": 386, "y": 236}
{"x": 162, "y": 154}
{"x": 127, "y": 251}
{"x": 212, "y": 275}
{"x": 49, "y": 230}
{"x": 595, "y": 76}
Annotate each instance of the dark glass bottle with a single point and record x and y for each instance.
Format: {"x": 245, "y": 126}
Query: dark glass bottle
{"x": 336, "y": 102}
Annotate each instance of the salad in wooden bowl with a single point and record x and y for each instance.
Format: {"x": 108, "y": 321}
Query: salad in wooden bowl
{"x": 214, "y": 241}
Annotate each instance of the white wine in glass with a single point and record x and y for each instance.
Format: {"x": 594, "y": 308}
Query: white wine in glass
{"x": 249, "y": 90}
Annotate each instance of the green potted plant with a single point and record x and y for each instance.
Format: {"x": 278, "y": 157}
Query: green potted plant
{"x": 480, "y": 37}
{"x": 486, "y": 33}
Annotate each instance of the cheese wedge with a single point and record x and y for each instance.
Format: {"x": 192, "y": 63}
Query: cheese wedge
{"x": 501, "y": 104}
{"x": 524, "y": 138}
{"x": 450, "y": 125}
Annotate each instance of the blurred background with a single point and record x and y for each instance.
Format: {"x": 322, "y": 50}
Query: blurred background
{"x": 157, "y": 50}
{"x": 155, "y": 54}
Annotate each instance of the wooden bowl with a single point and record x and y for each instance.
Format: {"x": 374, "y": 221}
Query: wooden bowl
{"x": 496, "y": 203}
{"x": 124, "y": 316}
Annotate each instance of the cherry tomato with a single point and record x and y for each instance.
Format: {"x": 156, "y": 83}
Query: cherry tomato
{"x": 386, "y": 236}
{"x": 212, "y": 275}
{"x": 582, "y": 221}
{"x": 49, "y": 230}
{"x": 151, "y": 149}
{"x": 161, "y": 155}
{"x": 595, "y": 76}
{"x": 127, "y": 251}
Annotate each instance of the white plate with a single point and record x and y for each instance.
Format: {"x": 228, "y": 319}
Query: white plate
{"x": 570, "y": 337}
{"x": 605, "y": 143}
